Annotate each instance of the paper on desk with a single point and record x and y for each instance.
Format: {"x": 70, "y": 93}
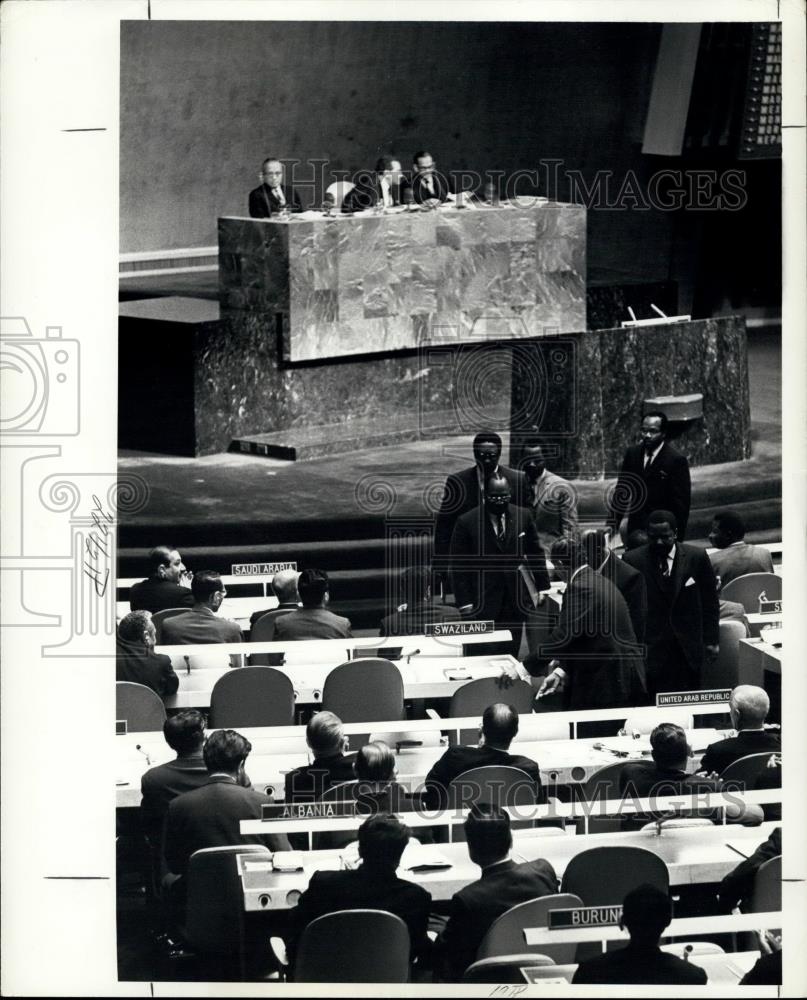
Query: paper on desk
{"x": 419, "y": 857}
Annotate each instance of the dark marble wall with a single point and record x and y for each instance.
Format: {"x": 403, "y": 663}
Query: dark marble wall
{"x": 591, "y": 408}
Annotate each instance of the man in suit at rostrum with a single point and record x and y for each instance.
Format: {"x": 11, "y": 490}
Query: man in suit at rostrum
{"x": 682, "y": 606}
{"x": 654, "y": 476}
{"x": 429, "y": 186}
{"x": 272, "y": 196}
{"x": 381, "y": 189}
{"x": 497, "y": 563}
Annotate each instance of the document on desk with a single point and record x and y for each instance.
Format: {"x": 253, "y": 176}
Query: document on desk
{"x": 419, "y": 857}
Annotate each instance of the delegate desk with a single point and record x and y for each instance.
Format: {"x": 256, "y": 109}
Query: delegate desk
{"x": 721, "y": 969}
{"x": 693, "y": 855}
{"x": 561, "y": 761}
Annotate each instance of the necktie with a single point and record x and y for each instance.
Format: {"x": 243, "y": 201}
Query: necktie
{"x": 281, "y": 198}
{"x": 386, "y": 198}
{"x": 502, "y": 528}
{"x": 664, "y": 565}
{"x": 647, "y": 460}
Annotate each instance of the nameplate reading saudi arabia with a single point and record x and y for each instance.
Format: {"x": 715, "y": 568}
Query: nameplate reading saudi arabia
{"x": 438, "y": 629}
{"x": 275, "y": 812}
{"x": 693, "y": 697}
{"x": 260, "y": 569}
{"x": 584, "y": 916}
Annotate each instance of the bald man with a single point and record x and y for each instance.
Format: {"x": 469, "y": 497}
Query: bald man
{"x": 284, "y": 585}
{"x": 749, "y": 706}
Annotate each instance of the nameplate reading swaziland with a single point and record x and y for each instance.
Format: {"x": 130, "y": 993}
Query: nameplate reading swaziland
{"x": 438, "y": 629}
{"x": 770, "y": 607}
{"x": 276, "y": 812}
{"x": 260, "y": 569}
{"x": 693, "y": 697}
{"x": 584, "y": 916}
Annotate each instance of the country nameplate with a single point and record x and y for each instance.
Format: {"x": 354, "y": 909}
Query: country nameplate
{"x": 279, "y": 812}
{"x": 585, "y": 916}
{"x": 121, "y": 727}
{"x": 710, "y": 697}
{"x": 770, "y": 607}
{"x": 441, "y": 629}
{"x": 260, "y": 569}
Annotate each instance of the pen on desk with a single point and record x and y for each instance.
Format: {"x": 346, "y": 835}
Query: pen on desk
{"x": 732, "y": 848}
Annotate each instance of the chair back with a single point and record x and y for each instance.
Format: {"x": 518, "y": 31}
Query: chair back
{"x": 506, "y": 933}
{"x": 364, "y": 690}
{"x": 338, "y": 190}
{"x": 158, "y": 617}
{"x": 749, "y": 589}
{"x": 505, "y": 968}
{"x": 354, "y": 946}
{"x": 264, "y": 631}
{"x": 475, "y": 696}
{"x": 645, "y": 722}
{"x": 603, "y": 876}
{"x": 252, "y": 696}
{"x": 141, "y": 707}
{"x": 603, "y": 784}
{"x": 766, "y": 895}
{"x": 497, "y": 784}
{"x": 746, "y": 770}
{"x": 214, "y": 910}
{"x": 723, "y": 671}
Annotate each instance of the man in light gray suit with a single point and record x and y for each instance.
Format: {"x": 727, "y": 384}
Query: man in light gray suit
{"x": 312, "y": 620}
{"x": 551, "y": 499}
{"x": 734, "y": 556}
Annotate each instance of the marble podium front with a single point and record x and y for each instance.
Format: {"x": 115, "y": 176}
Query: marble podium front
{"x": 366, "y": 284}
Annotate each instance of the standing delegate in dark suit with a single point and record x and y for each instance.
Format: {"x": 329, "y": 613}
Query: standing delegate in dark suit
{"x": 497, "y": 563}
{"x": 627, "y": 580}
{"x": 272, "y": 196}
{"x": 748, "y": 706}
{"x": 135, "y": 659}
{"x": 383, "y": 188}
{"x": 551, "y": 498}
{"x": 373, "y": 885}
{"x": 682, "y": 606}
{"x": 211, "y": 815}
{"x": 164, "y": 588}
{"x": 654, "y": 476}
{"x": 594, "y": 659}
{"x": 734, "y": 556}
{"x": 428, "y": 186}
{"x": 646, "y": 911}
{"x": 497, "y": 731}
{"x": 502, "y": 885}
{"x": 465, "y": 491}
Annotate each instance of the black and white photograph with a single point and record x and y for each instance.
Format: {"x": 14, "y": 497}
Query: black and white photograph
{"x": 408, "y": 402}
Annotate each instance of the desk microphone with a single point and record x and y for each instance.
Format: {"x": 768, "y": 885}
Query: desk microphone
{"x": 410, "y": 655}
{"x": 148, "y": 759}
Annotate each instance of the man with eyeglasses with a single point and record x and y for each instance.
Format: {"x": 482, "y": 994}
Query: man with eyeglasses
{"x": 497, "y": 562}
{"x": 272, "y": 196}
{"x": 202, "y": 624}
{"x": 429, "y": 187}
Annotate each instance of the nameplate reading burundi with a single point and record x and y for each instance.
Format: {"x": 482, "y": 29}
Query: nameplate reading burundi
{"x": 438, "y": 629}
{"x": 275, "y": 812}
{"x": 584, "y": 916}
{"x": 693, "y": 697}
{"x": 260, "y": 569}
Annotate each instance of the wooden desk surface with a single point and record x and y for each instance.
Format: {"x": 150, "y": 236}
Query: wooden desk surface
{"x": 755, "y": 659}
{"x": 693, "y": 855}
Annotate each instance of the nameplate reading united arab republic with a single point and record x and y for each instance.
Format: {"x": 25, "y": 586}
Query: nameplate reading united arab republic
{"x": 275, "y": 812}
{"x": 693, "y": 697}
{"x": 585, "y": 916}
{"x": 438, "y": 629}
{"x": 260, "y": 569}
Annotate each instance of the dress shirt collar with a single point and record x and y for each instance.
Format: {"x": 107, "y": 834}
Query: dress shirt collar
{"x": 578, "y": 570}
{"x": 223, "y": 776}
{"x": 653, "y": 455}
{"x": 498, "y": 866}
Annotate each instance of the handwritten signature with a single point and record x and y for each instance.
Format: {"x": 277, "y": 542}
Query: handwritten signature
{"x": 96, "y": 547}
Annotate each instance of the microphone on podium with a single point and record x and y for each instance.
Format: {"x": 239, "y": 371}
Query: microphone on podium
{"x": 148, "y": 759}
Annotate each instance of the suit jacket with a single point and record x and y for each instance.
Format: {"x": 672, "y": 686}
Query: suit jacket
{"x": 459, "y": 759}
{"x": 553, "y": 503}
{"x": 630, "y": 583}
{"x": 136, "y": 663}
{"x": 155, "y": 594}
{"x": 256, "y": 615}
{"x": 739, "y": 559}
{"x": 308, "y": 783}
{"x": 414, "y": 621}
{"x": 690, "y": 613}
{"x": 737, "y": 886}
{"x": 486, "y": 572}
{"x": 664, "y": 485}
{"x": 594, "y": 641}
{"x": 161, "y": 784}
{"x": 367, "y": 193}
{"x": 719, "y": 755}
{"x": 359, "y": 889}
{"x": 646, "y": 966}
{"x": 201, "y": 626}
{"x": 210, "y": 816}
{"x": 263, "y": 202}
{"x": 312, "y": 623}
{"x": 461, "y": 494}
{"x": 420, "y": 192}
{"x": 474, "y": 908}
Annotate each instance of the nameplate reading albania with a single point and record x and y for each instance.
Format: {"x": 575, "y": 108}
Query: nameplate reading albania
{"x": 693, "y": 697}
{"x": 584, "y": 916}
{"x": 276, "y": 812}
{"x": 438, "y": 629}
{"x": 260, "y": 569}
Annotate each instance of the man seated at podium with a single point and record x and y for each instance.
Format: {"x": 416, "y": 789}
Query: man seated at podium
{"x": 272, "y": 196}
{"x": 383, "y": 188}
{"x": 428, "y": 186}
